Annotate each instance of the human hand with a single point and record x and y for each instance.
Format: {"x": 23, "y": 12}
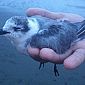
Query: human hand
{"x": 73, "y": 57}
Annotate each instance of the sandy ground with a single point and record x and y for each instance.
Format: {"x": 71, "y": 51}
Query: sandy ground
{"x": 17, "y": 69}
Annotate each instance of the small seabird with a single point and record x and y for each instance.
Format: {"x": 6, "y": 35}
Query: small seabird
{"x": 41, "y": 32}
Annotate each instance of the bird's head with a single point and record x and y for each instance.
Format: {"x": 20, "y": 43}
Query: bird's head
{"x": 20, "y": 28}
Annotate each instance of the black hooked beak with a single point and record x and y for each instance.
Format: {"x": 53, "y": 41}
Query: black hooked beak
{"x": 2, "y": 32}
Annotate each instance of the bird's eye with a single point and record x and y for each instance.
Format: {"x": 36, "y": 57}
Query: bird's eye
{"x": 16, "y": 28}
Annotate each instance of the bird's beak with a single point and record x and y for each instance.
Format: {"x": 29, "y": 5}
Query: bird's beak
{"x": 2, "y": 32}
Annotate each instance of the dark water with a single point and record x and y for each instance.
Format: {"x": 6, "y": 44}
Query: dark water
{"x": 17, "y": 69}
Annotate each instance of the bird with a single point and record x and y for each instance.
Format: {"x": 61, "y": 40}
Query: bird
{"x": 41, "y": 32}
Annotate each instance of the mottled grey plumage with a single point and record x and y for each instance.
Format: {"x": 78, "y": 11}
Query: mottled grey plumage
{"x": 43, "y": 32}
{"x": 57, "y": 36}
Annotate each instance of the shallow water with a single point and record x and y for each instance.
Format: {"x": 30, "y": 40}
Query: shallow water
{"x": 17, "y": 69}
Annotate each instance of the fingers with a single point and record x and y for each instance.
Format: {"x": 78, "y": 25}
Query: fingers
{"x": 75, "y": 59}
{"x": 44, "y": 13}
{"x": 33, "y": 51}
{"x": 48, "y": 54}
{"x": 51, "y": 56}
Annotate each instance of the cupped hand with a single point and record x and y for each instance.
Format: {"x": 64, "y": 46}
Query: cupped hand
{"x": 73, "y": 57}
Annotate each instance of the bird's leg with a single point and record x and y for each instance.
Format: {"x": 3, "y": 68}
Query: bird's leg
{"x": 41, "y": 65}
{"x": 56, "y": 70}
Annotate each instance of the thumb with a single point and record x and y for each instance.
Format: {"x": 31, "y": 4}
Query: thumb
{"x": 44, "y": 13}
{"x": 75, "y": 59}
